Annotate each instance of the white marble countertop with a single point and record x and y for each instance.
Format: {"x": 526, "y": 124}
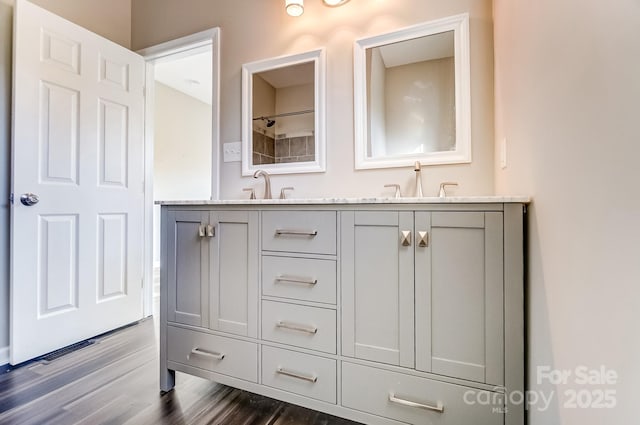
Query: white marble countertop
{"x": 345, "y": 201}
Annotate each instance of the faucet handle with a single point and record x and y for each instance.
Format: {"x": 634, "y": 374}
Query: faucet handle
{"x": 397, "y": 186}
{"x": 252, "y": 190}
{"x": 443, "y": 193}
{"x": 283, "y": 194}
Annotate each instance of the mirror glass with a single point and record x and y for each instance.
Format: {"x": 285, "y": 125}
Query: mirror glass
{"x": 412, "y": 96}
{"x": 283, "y": 114}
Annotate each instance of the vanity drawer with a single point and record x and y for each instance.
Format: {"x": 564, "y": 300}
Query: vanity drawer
{"x": 213, "y": 353}
{"x": 302, "y": 326}
{"x": 371, "y": 390}
{"x": 299, "y": 373}
{"x": 311, "y": 232}
{"x": 305, "y": 279}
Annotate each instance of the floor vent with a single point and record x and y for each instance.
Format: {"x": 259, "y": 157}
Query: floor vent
{"x": 46, "y": 359}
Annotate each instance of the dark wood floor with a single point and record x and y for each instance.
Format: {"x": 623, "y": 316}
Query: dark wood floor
{"x": 115, "y": 381}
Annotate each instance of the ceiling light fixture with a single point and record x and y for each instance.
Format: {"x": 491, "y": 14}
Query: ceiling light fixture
{"x": 294, "y": 7}
{"x": 334, "y": 3}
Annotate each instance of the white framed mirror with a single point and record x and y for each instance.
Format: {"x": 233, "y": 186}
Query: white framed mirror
{"x": 283, "y": 114}
{"x": 412, "y": 96}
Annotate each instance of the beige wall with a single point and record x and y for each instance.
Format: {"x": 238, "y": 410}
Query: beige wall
{"x": 295, "y": 99}
{"x": 258, "y": 29}
{"x": 110, "y": 19}
{"x": 264, "y": 104}
{"x": 568, "y": 103}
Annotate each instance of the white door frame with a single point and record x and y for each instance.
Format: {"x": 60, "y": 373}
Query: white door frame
{"x": 175, "y": 49}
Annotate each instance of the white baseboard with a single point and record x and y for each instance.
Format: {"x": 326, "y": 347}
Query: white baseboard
{"x": 4, "y": 355}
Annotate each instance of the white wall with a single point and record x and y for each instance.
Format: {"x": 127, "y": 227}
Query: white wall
{"x": 376, "y": 112}
{"x": 182, "y": 151}
{"x": 182, "y": 146}
{"x": 568, "y": 103}
{"x": 253, "y": 30}
{"x": 428, "y": 122}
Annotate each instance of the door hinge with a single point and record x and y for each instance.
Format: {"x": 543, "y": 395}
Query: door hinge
{"x": 142, "y": 283}
{"x": 11, "y": 199}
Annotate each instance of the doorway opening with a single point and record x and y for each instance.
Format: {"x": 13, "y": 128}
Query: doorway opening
{"x": 181, "y": 134}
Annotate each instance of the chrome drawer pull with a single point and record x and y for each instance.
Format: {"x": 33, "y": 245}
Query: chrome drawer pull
{"x": 393, "y": 399}
{"x": 283, "y": 371}
{"x": 205, "y": 353}
{"x": 296, "y": 232}
{"x": 296, "y": 279}
{"x": 296, "y": 327}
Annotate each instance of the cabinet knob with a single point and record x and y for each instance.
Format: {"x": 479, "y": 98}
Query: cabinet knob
{"x": 211, "y": 230}
{"x": 201, "y": 230}
{"x": 423, "y": 239}
{"x": 405, "y": 238}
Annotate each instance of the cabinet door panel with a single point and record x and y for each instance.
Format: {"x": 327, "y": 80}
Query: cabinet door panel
{"x": 377, "y": 281}
{"x": 187, "y": 268}
{"x": 459, "y": 297}
{"x": 234, "y": 272}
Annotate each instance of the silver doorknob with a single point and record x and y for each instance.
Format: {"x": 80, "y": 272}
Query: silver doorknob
{"x": 29, "y": 199}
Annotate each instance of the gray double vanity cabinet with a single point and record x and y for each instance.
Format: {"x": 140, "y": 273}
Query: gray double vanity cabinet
{"x": 379, "y": 311}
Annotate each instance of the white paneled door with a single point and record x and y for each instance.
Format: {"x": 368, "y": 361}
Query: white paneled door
{"x": 77, "y": 254}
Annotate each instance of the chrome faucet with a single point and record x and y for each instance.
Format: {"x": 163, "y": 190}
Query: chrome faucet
{"x": 267, "y": 182}
{"x": 417, "y": 169}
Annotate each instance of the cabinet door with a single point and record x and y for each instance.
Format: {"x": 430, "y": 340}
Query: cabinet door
{"x": 234, "y": 272}
{"x": 377, "y": 287}
{"x": 187, "y": 268}
{"x": 459, "y": 295}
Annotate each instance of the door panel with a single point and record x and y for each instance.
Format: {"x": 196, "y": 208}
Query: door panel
{"x": 112, "y": 256}
{"x": 457, "y": 309}
{"x": 234, "y": 272}
{"x": 57, "y": 264}
{"x": 59, "y": 109}
{"x": 77, "y": 143}
{"x": 187, "y": 268}
{"x": 113, "y": 154}
{"x": 459, "y": 296}
{"x": 377, "y": 281}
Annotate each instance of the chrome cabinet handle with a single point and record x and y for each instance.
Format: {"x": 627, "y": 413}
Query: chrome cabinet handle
{"x": 423, "y": 239}
{"x": 439, "y": 407}
{"x": 282, "y": 371}
{"x": 405, "y": 238}
{"x": 296, "y": 232}
{"x": 201, "y": 230}
{"x": 29, "y": 199}
{"x": 297, "y": 327}
{"x": 205, "y": 353}
{"x": 211, "y": 230}
{"x": 296, "y": 279}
